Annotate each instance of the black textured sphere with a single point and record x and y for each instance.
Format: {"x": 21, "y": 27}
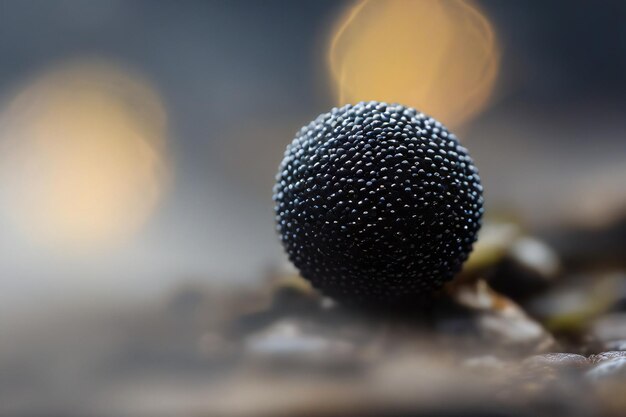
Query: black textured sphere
{"x": 377, "y": 203}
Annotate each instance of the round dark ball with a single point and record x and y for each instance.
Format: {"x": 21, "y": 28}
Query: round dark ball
{"x": 377, "y": 203}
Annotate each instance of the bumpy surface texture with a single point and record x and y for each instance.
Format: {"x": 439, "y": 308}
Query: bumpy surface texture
{"x": 377, "y": 203}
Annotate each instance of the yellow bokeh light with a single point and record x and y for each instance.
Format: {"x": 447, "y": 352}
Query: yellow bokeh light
{"x": 82, "y": 157}
{"x": 440, "y": 57}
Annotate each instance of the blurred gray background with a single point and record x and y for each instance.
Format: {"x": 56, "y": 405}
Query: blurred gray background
{"x": 238, "y": 78}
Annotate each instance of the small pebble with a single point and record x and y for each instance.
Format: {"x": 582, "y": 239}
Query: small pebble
{"x": 528, "y": 269}
{"x": 606, "y": 356}
{"x": 288, "y": 338}
{"x": 609, "y": 369}
{"x": 536, "y": 256}
{"x": 499, "y": 319}
{"x": 560, "y": 360}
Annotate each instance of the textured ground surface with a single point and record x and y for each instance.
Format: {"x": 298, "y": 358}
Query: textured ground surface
{"x": 528, "y": 329}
